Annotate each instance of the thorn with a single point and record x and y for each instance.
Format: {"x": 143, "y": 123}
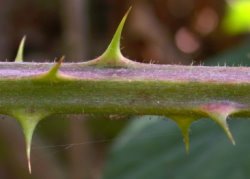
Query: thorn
{"x": 29, "y": 164}
{"x": 28, "y": 121}
{"x": 221, "y": 119}
{"x": 19, "y": 56}
{"x": 52, "y": 74}
{"x": 113, "y": 49}
{"x": 219, "y": 112}
{"x": 112, "y": 55}
{"x": 54, "y": 70}
{"x": 184, "y": 123}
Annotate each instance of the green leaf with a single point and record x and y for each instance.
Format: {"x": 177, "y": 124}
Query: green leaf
{"x": 151, "y": 147}
{"x": 19, "y": 56}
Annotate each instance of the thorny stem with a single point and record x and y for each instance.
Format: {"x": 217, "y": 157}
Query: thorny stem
{"x": 144, "y": 89}
{"x": 113, "y": 84}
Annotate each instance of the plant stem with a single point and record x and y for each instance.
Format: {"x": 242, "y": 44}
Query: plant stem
{"x": 142, "y": 89}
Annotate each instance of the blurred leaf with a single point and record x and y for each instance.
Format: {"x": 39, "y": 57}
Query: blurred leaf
{"x": 106, "y": 126}
{"x": 237, "y": 19}
{"x": 238, "y": 56}
{"x": 154, "y": 149}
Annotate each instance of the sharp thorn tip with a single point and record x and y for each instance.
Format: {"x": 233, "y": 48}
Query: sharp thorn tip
{"x": 29, "y": 165}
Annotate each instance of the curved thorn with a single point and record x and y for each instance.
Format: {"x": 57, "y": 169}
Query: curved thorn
{"x": 28, "y": 130}
{"x": 221, "y": 119}
{"x": 29, "y": 164}
{"x": 225, "y": 127}
{"x": 19, "y": 56}
{"x": 54, "y": 70}
{"x": 113, "y": 51}
{"x": 219, "y": 113}
{"x": 112, "y": 55}
{"x": 28, "y": 122}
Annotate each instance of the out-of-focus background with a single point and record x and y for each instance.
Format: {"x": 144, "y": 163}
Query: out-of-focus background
{"x": 208, "y": 32}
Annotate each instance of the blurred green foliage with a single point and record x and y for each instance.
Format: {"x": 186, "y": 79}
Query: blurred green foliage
{"x": 237, "y": 19}
{"x": 151, "y": 147}
{"x": 237, "y": 56}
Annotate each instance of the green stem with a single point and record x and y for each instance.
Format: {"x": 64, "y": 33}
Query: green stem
{"x": 144, "y": 89}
